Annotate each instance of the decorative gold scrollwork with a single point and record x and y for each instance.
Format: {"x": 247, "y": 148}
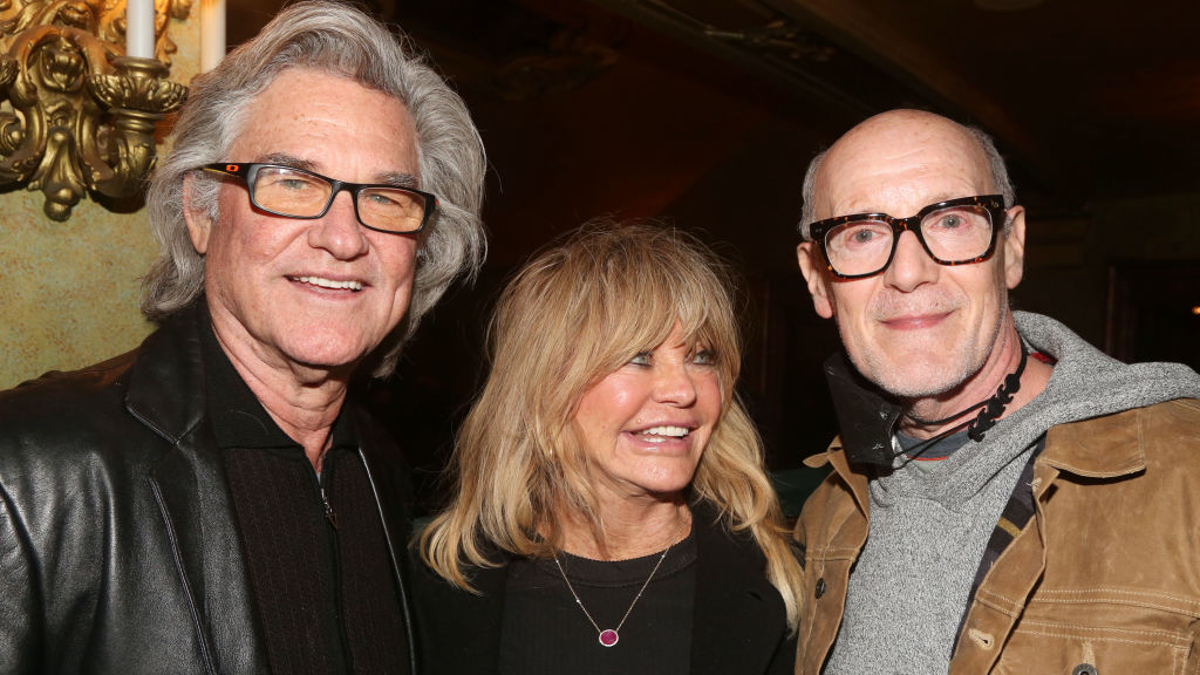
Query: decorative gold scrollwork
{"x": 78, "y": 115}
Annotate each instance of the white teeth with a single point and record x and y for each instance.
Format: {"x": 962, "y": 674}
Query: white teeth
{"x": 329, "y": 283}
{"x": 676, "y": 432}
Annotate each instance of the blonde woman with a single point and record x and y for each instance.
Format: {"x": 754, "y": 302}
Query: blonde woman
{"x": 611, "y": 512}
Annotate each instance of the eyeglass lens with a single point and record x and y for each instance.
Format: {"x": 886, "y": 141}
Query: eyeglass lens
{"x": 952, "y": 235}
{"x": 304, "y": 195}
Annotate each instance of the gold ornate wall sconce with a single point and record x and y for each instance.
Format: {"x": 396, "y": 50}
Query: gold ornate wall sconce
{"x": 76, "y": 114}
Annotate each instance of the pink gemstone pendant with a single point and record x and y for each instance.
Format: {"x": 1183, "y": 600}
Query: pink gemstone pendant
{"x": 609, "y": 637}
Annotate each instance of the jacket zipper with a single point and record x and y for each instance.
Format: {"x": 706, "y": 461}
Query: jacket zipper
{"x": 330, "y": 515}
{"x": 335, "y": 571}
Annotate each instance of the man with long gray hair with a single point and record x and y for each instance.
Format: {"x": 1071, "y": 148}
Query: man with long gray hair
{"x": 212, "y": 502}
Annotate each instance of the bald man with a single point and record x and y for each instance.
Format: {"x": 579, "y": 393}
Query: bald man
{"x": 1003, "y": 497}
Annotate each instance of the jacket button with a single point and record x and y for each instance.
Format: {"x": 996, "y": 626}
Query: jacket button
{"x": 820, "y": 590}
{"x": 1085, "y": 669}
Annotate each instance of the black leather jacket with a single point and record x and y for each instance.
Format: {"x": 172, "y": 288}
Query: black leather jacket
{"x": 118, "y": 546}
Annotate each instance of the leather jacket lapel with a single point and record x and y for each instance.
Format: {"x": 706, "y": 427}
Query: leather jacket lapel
{"x": 193, "y": 499}
{"x": 166, "y": 393}
{"x": 166, "y": 383}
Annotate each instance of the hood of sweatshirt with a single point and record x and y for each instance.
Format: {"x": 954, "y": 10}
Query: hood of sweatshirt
{"x": 1085, "y": 383}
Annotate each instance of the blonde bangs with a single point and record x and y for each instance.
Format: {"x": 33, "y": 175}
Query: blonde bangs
{"x": 639, "y": 284}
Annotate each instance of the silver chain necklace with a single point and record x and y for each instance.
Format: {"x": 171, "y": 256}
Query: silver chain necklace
{"x": 610, "y": 636}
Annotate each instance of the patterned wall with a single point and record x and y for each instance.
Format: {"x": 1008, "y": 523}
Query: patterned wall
{"x": 69, "y": 292}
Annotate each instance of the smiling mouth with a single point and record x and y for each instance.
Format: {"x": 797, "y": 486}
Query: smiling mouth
{"x": 662, "y": 434}
{"x": 322, "y": 282}
{"x": 911, "y": 322}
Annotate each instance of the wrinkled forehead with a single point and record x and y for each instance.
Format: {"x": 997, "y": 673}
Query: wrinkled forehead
{"x": 320, "y": 116}
{"x": 899, "y": 164}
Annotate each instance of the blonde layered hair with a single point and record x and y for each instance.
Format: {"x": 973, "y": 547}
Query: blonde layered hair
{"x": 576, "y": 313}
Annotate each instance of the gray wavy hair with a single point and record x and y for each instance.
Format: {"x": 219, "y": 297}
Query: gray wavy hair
{"x": 995, "y": 165}
{"x": 340, "y": 39}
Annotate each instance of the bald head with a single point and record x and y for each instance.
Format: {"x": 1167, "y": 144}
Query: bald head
{"x": 919, "y": 328}
{"x": 921, "y": 141}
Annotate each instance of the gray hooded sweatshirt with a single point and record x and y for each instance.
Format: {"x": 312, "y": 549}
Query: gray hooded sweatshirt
{"x": 930, "y": 521}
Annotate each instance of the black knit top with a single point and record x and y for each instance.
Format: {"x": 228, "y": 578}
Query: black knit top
{"x": 545, "y": 631}
{"x": 325, "y": 598}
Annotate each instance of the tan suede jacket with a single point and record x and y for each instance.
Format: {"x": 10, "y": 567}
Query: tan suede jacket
{"x": 1103, "y": 580}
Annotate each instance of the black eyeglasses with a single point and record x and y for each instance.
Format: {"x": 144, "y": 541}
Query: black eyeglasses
{"x": 954, "y": 232}
{"x": 296, "y": 193}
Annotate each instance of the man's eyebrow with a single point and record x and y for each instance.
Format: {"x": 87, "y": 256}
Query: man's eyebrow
{"x": 392, "y": 178}
{"x": 285, "y": 159}
{"x": 398, "y": 179}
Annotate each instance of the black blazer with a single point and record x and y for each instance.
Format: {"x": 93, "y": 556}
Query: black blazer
{"x": 118, "y": 546}
{"x": 739, "y": 625}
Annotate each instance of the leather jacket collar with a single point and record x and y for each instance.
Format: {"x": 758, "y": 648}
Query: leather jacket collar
{"x": 166, "y": 392}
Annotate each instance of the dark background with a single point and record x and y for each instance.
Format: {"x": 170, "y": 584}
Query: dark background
{"x": 706, "y": 112}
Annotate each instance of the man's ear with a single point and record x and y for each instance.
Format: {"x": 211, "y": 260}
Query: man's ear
{"x": 813, "y": 270}
{"x": 1014, "y": 247}
{"x": 199, "y": 221}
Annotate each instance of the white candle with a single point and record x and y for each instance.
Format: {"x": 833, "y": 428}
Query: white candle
{"x": 212, "y": 33}
{"x": 139, "y": 28}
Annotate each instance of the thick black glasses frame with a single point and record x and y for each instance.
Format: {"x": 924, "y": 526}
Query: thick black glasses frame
{"x": 249, "y": 172}
{"x": 994, "y": 204}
